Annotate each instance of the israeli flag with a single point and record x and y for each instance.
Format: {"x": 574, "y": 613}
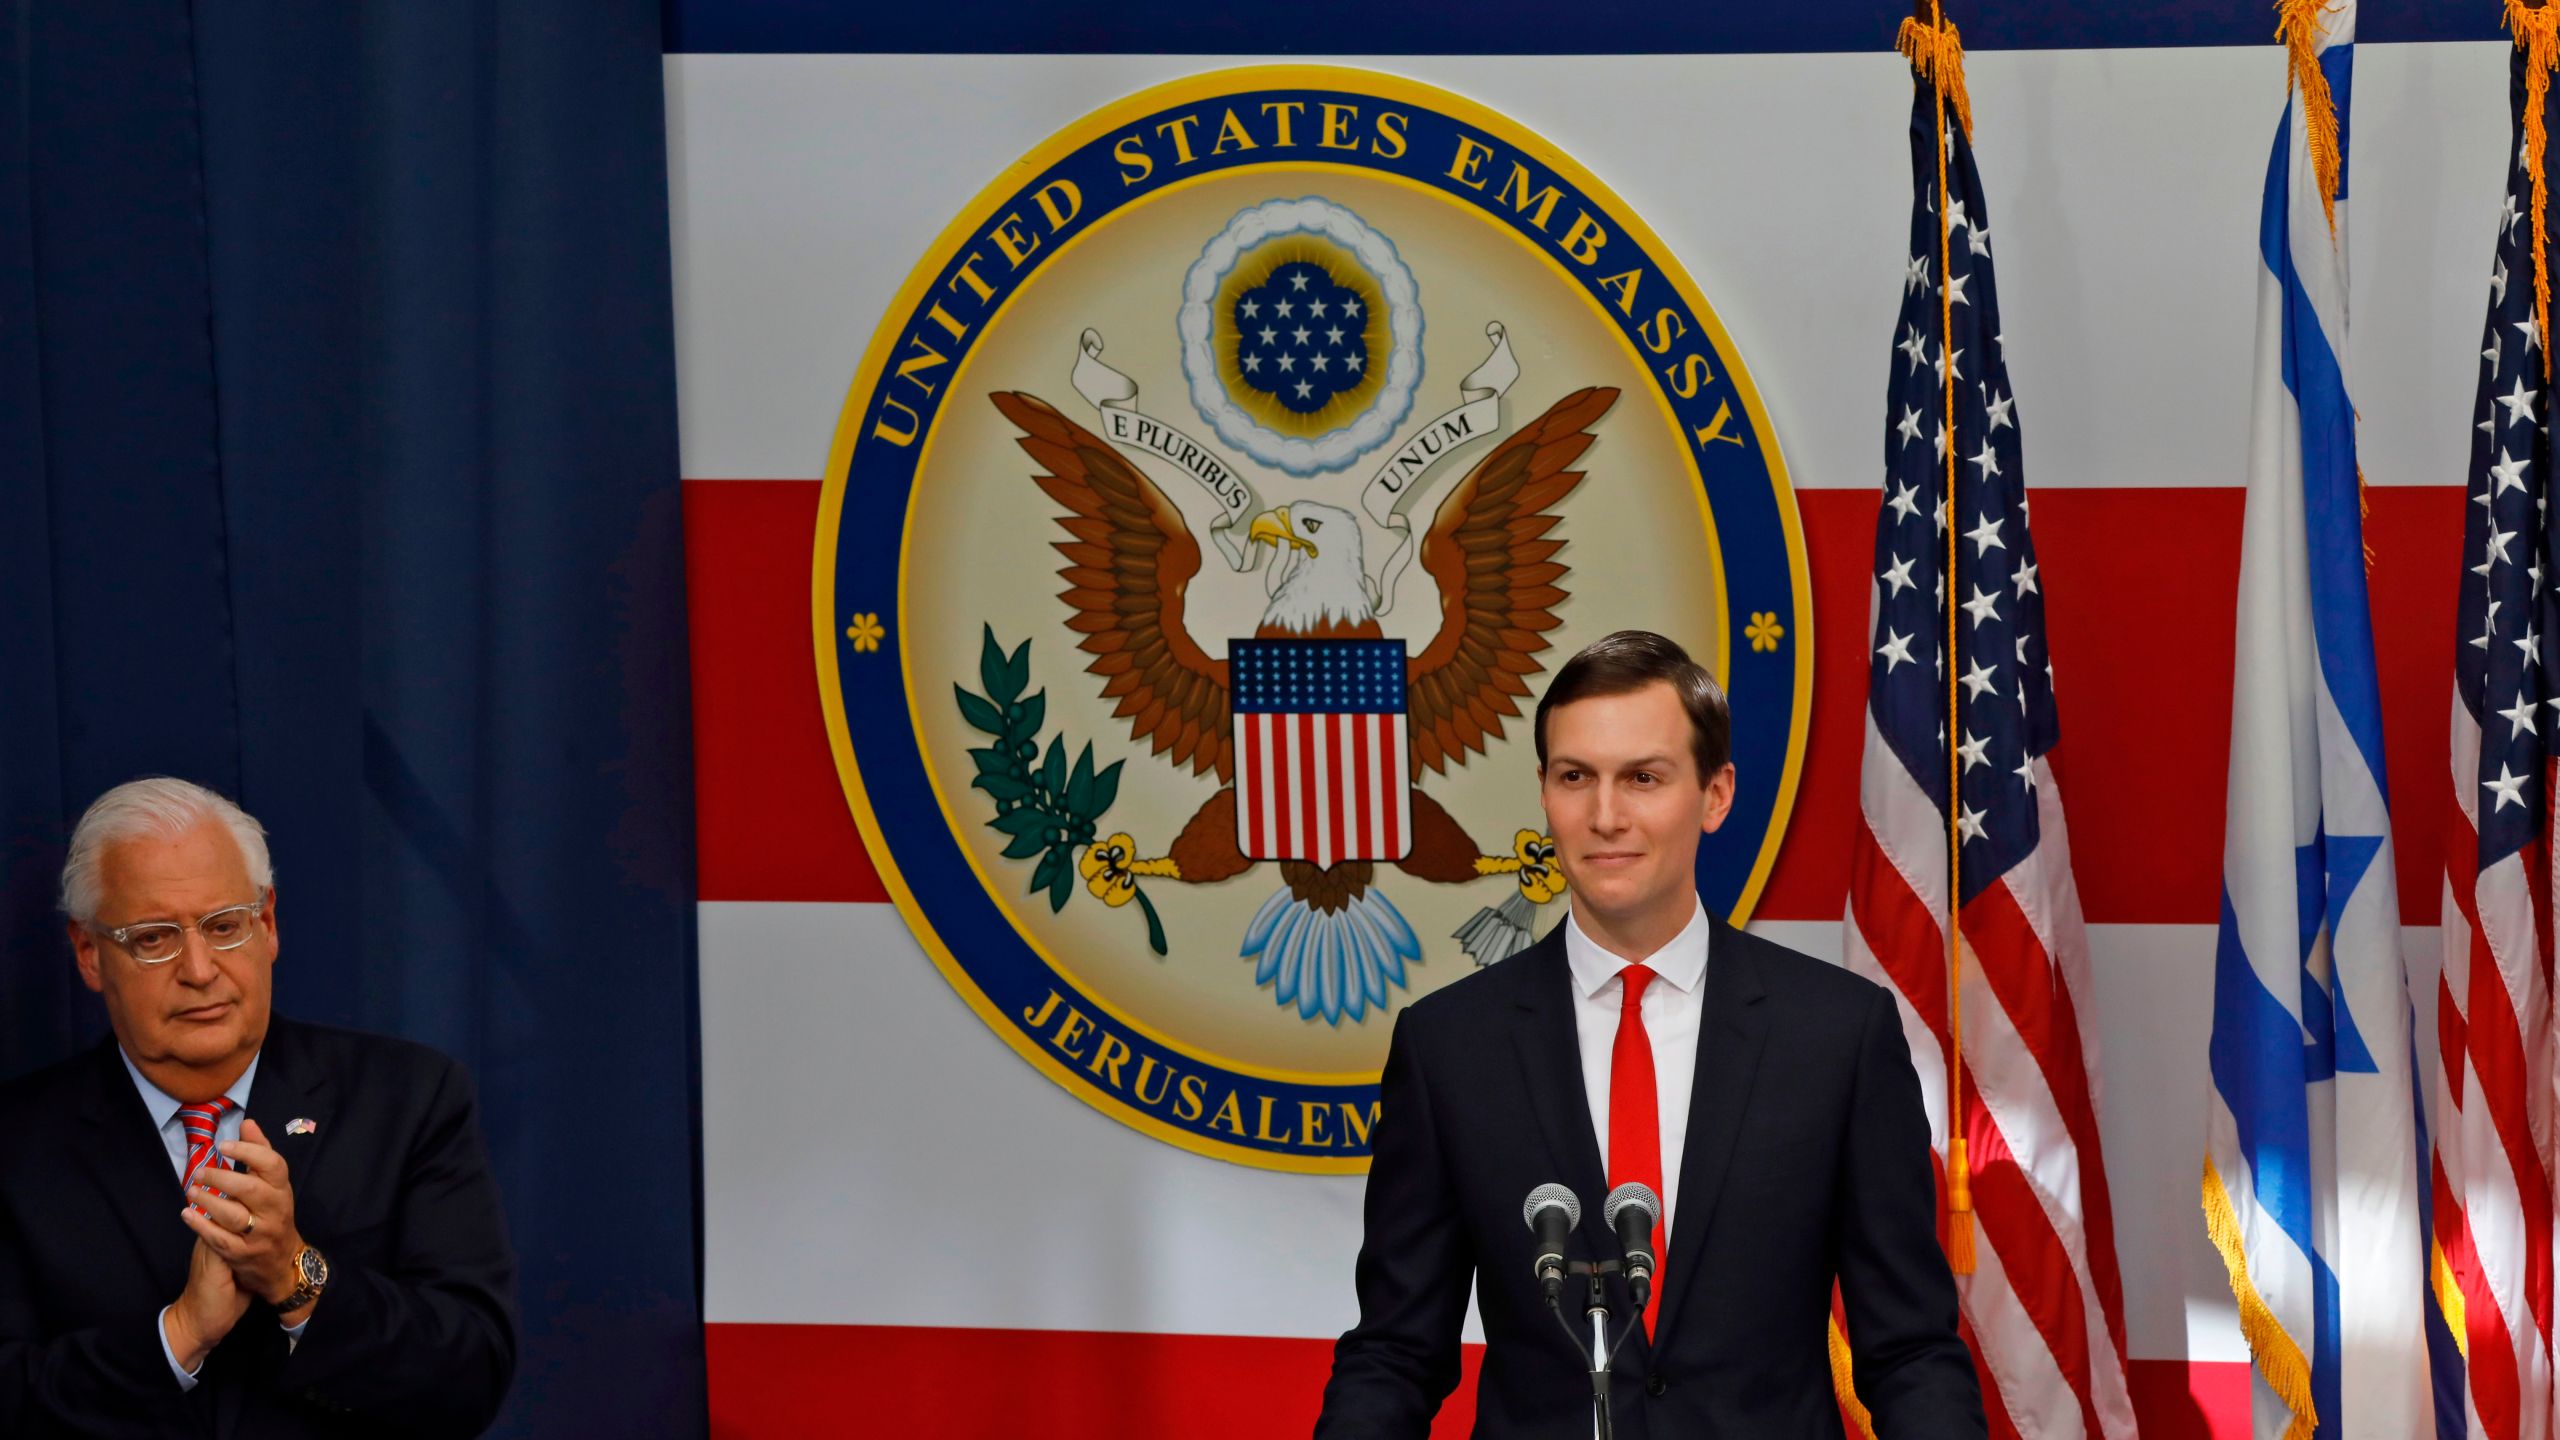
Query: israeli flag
{"x": 2311, "y": 1184}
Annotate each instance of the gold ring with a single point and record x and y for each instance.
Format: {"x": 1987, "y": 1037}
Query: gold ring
{"x": 252, "y": 1225}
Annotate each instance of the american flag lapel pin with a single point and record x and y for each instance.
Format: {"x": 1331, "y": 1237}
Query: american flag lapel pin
{"x": 301, "y": 1127}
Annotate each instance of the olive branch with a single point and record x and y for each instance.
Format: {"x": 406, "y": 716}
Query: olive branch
{"x": 1044, "y": 805}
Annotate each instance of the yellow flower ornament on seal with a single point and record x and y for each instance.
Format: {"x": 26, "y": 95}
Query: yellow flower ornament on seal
{"x": 1764, "y": 632}
{"x": 1541, "y": 879}
{"x": 1105, "y": 866}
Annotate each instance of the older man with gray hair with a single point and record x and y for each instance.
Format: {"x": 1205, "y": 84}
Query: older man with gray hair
{"x": 336, "y": 1263}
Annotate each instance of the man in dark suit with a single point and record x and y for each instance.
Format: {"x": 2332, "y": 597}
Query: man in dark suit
{"x": 223, "y": 1224}
{"x": 1768, "y": 1098}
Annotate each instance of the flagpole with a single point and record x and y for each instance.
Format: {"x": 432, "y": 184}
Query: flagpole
{"x": 1930, "y": 43}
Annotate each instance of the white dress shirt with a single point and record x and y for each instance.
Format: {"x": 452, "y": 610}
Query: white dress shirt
{"x": 164, "y": 1109}
{"x": 1670, "y": 1008}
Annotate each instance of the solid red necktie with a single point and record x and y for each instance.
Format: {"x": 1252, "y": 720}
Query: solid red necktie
{"x": 1635, "y": 1115}
{"x": 201, "y": 1121}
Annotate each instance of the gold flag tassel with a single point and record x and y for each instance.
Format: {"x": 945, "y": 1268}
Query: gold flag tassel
{"x": 2536, "y": 27}
{"x": 1937, "y": 57}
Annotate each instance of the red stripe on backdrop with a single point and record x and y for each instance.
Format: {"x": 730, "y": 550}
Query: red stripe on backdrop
{"x": 2207, "y": 1400}
{"x": 2139, "y": 587}
{"x": 2414, "y": 536}
{"x": 769, "y": 1382}
{"x": 770, "y": 821}
{"x": 2139, "y": 584}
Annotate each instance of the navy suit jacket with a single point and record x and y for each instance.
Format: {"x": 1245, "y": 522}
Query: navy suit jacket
{"x": 416, "y": 1333}
{"x": 1806, "y": 1159}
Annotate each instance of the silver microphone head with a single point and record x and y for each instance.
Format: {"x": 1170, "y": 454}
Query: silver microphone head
{"x": 1636, "y": 1193}
{"x": 1550, "y": 1195}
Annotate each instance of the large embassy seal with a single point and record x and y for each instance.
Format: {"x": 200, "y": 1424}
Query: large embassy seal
{"x": 1198, "y": 532}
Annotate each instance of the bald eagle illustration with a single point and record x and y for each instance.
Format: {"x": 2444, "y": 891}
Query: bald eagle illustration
{"x": 1327, "y": 942}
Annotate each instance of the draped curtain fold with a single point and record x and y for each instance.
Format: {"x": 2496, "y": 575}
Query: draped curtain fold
{"x": 338, "y": 471}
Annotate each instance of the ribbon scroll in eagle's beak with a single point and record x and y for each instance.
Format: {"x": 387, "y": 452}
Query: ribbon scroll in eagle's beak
{"x": 1272, "y": 527}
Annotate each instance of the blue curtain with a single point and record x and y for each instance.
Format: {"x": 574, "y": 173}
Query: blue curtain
{"x": 338, "y": 471}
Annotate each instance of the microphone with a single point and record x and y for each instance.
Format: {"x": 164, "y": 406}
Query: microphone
{"x": 1633, "y": 1210}
{"x": 1551, "y": 1213}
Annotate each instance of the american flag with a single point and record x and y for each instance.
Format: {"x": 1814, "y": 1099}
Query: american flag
{"x": 2491, "y": 1178}
{"x": 1320, "y": 745}
{"x": 2043, "y": 1306}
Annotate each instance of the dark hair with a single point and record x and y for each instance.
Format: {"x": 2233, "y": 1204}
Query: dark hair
{"x": 1630, "y": 660}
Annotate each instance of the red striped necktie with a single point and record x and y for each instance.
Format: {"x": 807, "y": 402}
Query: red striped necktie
{"x": 1635, "y": 1115}
{"x": 200, "y": 1122}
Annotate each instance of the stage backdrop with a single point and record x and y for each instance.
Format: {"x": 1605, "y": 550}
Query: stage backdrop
{"x": 337, "y": 463}
{"x": 919, "y": 1184}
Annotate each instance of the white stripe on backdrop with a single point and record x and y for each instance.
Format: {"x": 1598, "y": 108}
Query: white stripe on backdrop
{"x": 804, "y": 187}
{"x": 862, "y": 1132}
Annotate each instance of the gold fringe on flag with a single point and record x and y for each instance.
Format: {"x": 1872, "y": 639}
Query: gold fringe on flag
{"x": 2364, "y": 511}
{"x": 2448, "y": 1292}
{"x": 2279, "y": 1359}
{"x": 2537, "y": 31}
{"x": 2298, "y": 25}
{"x": 1938, "y": 55}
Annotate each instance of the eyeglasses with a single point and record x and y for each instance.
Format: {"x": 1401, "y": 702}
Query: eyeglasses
{"x": 158, "y": 942}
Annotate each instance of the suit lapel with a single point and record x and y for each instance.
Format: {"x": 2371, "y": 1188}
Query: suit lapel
{"x": 290, "y": 1087}
{"x": 130, "y": 1163}
{"x": 1731, "y": 1031}
{"x": 1551, "y": 1065}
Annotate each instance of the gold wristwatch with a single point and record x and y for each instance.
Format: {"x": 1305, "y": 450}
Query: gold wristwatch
{"x": 311, "y": 1268}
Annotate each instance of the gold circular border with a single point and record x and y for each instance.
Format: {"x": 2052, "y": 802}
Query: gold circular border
{"x": 1095, "y": 125}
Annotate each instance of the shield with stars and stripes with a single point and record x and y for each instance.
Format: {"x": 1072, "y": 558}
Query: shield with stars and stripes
{"x": 1320, "y": 745}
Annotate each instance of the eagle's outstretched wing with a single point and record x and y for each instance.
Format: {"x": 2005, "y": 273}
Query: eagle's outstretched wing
{"x": 1130, "y": 559}
{"x": 1497, "y": 581}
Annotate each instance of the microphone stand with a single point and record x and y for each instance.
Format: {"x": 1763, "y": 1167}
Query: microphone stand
{"x": 1597, "y": 1307}
{"x": 1603, "y": 1350}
